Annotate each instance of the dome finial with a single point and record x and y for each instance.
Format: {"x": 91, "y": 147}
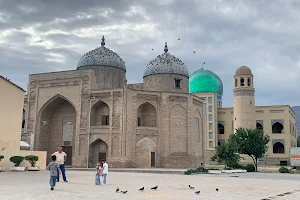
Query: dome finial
{"x": 103, "y": 41}
{"x": 166, "y": 48}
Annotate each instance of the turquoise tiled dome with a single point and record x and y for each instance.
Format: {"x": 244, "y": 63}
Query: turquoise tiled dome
{"x": 205, "y": 81}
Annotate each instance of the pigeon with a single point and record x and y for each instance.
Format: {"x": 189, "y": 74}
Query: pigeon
{"x": 178, "y": 38}
{"x": 152, "y": 49}
{"x": 217, "y": 189}
{"x": 142, "y": 189}
{"x": 194, "y": 51}
{"x": 197, "y": 192}
{"x": 154, "y": 188}
{"x": 117, "y": 190}
{"x": 191, "y": 187}
{"x": 124, "y": 192}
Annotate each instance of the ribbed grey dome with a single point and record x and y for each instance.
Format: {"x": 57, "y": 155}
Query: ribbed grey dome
{"x": 166, "y": 64}
{"x": 101, "y": 56}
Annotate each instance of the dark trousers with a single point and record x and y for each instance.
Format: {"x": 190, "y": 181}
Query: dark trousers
{"x": 63, "y": 172}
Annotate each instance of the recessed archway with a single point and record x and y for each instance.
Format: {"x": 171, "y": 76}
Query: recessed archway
{"x": 259, "y": 126}
{"x": 56, "y": 127}
{"x": 100, "y": 114}
{"x": 146, "y": 115}
{"x": 98, "y": 152}
{"x": 221, "y": 129}
{"x": 278, "y": 147}
{"x": 277, "y": 128}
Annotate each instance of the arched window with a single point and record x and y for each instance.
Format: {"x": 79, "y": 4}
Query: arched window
{"x": 221, "y": 129}
{"x": 146, "y": 115}
{"x": 259, "y": 126}
{"x": 235, "y": 82}
{"x": 277, "y": 128}
{"x": 249, "y": 82}
{"x": 242, "y": 82}
{"x": 278, "y": 147}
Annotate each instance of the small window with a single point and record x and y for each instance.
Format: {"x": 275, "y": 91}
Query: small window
{"x": 105, "y": 120}
{"x": 209, "y": 108}
{"x": 210, "y": 144}
{"x": 210, "y": 126}
{"x": 249, "y": 82}
{"x": 210, "y": 118}
{"x": 235, "y": 83}
{"x": 210, "y": 135}
{"x": 242, "y": 82}
{"x": 139, "y": 121}
{"x": 209, "y": 99}
{"x": 177, "y": 83}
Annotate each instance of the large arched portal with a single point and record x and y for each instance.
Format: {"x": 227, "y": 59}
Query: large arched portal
{"x": 57, "y": 127}
{"x": 98, "y": 152}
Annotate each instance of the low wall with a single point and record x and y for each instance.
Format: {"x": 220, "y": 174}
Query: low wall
{"x": 7, "y": 154}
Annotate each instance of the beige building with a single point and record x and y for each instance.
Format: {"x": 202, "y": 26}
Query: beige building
{"x": 11, "y": 106}
{"x": 279, "y": 122}
{"x": 94, "y": 114}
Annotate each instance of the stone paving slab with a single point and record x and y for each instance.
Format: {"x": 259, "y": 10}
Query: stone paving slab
{"x": 250, "y": 186}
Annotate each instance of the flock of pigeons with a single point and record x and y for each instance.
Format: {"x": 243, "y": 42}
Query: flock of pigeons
{"x": 155, "y": 188}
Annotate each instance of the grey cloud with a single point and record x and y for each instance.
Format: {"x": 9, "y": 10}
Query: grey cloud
{"x": 225, "y": 34}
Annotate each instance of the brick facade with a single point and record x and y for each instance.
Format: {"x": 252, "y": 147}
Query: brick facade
{"x": 129, "y": 126}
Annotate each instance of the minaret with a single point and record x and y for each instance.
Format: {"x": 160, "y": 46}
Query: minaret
{"x": 244, "y": 99}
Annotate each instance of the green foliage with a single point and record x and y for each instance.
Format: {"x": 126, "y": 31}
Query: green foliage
{"x": 298, "y": 141}
{"x": 196, "y": 171}
{"x": 284, "y": 170}
{"x": 32, "y": 159}
{"x": 227, "y": 152}
{"x": 250, "y": 168}
{"x": 251, "y": 142}
{"x": 1, "y": 157}
{"x": 17, "y": 160}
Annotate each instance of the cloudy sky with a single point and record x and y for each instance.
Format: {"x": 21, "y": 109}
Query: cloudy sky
{"x": 39, "y": 36}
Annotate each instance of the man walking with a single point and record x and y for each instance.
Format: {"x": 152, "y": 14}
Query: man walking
{"x": 61, "y": 158}
{"x": 104, "y": 171}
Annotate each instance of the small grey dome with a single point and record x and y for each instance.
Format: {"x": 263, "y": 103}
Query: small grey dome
{"x": 166, "y": 64}
{"x": 101, "y": 56}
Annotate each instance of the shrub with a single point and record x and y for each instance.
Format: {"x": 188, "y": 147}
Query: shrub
{"x": 284, "y": 170}
{"x": 228, "y": 168}
{"x": 32, "y": 159}
{"x": 17, "y": 160}
{"x": 1, "y": 157}
{"x": 189, "y": 172}
{"x": 250, "y": 168}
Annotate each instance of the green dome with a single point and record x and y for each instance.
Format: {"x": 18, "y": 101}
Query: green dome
{"x": 205, "y": 81}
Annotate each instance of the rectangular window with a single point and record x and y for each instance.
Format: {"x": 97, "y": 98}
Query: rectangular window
{"x": 210, "y": 126}
{"x": 210, "y": 135}
{"x": 210, "y": 144}
{"x": 249, "y": 82}
{"x": 105, "y": 120}
{"x": 177, "y": 83}
{"x": 210, "y": 118}
{"x": 209, "y": 99}
{"x": 139, "y": 122}
{"x": 209, "y": 108}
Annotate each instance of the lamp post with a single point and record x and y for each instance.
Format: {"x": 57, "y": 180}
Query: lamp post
{"x": 89, "y": 130}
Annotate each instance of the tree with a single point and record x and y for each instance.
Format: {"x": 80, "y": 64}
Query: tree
{"x": 298, "y": 141}
{"x": 251, "y": 142}
{"x": 227, "y": 152}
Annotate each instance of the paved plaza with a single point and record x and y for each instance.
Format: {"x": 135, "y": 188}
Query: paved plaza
{"x": 252, "y": 186}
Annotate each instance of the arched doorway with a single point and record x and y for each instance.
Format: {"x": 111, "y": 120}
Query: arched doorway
{"x": 146, "y": 115}
{"x": 146, "y": 153}
{"x": 57, "y": 127}
{"x": 278, "y": 147}
{"x": 98, "y": 152}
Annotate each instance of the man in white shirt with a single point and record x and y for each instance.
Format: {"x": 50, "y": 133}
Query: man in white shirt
{"x": 104, "y": 171}
{"x": 60, "y": 159}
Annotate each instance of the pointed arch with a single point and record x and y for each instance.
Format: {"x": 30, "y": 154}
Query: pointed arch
{"x": 145, "y": 140}
{"x": 277, "y": 127}
{"x": 100, "y": 114}
{"x": 145, "y": 153}
{"x": 146, "y": 115}
{"x": 56, "y": 126}
{"x": 278, "y": 147}
{"x": 98, "y": 152}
